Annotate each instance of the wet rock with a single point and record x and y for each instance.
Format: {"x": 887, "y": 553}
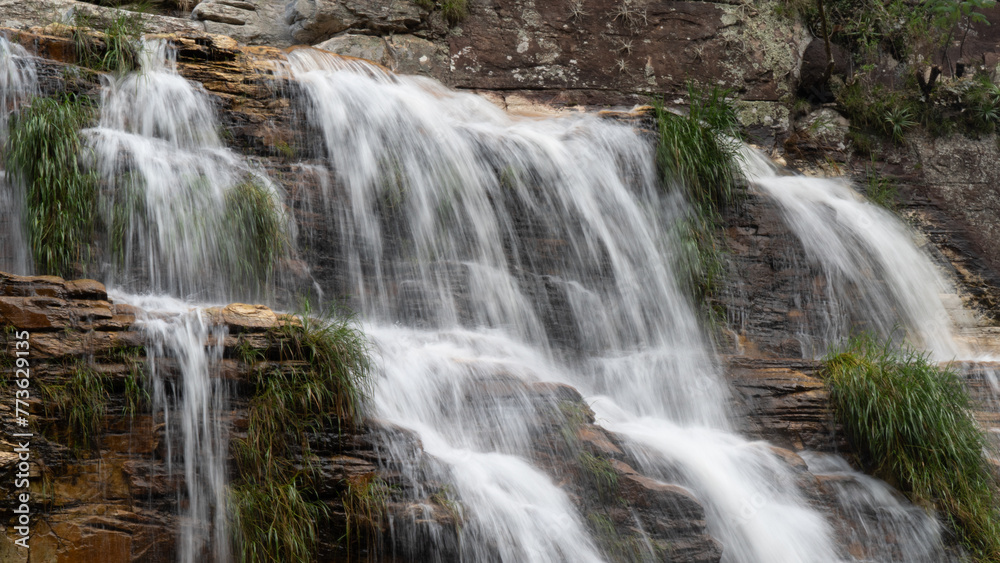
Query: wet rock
{"x": 785, "y": 403}
{"x": 240, "y": 317}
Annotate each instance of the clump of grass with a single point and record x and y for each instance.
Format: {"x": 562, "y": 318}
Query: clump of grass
{"x": 43, "y": 154}
{"x": 453, "y": 11}
{"x": 134, "y": 387}
{"x": 82, "y": 399}
{"x": 364, "y": 501}
{"x": 911, "y": 421}
{"x": 599, "y": 474}
{"x": 275, "y": 521}
{"x": 699, "y": 150}
{"x": 115, "y": 48}
{"x": 256, "y": 231}
{"x": 323, "y": 381}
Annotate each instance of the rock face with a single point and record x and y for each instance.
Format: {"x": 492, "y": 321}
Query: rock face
{"x": 312, "y": 21}
{"x": 961, "y": 175}
{"x": 786, "y": 403}
{"x": 572, "y": 52}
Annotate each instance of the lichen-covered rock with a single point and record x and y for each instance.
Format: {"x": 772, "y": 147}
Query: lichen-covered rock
{"x": 312, "y": 21}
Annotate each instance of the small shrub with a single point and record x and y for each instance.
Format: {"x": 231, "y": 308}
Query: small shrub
{"x": 43, "y": 153}
{"x": 911, "y": 421}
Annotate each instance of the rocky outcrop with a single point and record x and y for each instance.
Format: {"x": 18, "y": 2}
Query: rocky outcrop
{"x": 566, "y": 53}
{"x": 111, "y": 498}
{"x": 785, "y": 402}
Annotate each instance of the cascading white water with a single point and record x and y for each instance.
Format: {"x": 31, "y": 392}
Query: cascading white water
{"x": 875, "y": 273}
{"x": 882, "y": 525}
{"x": 18, "y": 83}
{"x": 167, "y": 178}
{"x": 192, "y": 401}
{"x": 539, "y": 250}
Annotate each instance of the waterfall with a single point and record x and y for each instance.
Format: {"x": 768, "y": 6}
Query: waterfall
{"x": 490, "y": 256}
{"x": 167, "y": 184}
{"x": 18, "y": 82}
{"x": 481, "y": 245}
{"x": 875, "y": 274}
{"x": 192, "y": 401}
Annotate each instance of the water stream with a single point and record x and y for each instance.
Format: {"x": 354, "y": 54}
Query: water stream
{"x": 18, "y": 82}
{"x": 540, "y": 249}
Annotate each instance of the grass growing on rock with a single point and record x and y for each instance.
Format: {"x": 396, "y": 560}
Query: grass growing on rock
{"x": 43, "y": 154}
{"x": 116, "y": 46}
{"x": 320, "y": 385}
{"x": 910, "y": 420}
{"x": 699, "y": 153}
{"x": 700, "y": 150}
{"x": 275, "y": 521}
{"x": 256, "y": 231}
{"x": 82, "y": 400}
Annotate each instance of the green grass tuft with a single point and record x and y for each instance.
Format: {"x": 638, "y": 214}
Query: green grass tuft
{"x": 116, "y": 46}
{"x": 43, "y": 154}
{"x": 364, "y": 501}
{"x": 699, "y": 150}
{"x": 256, "y": 231}
{"x": 322, "y": 384}
{"x": 82, "y": 400}
{"x": 275, "y": 521}
{"x": 454, "y": 11}
{"x": 910, "y": 420}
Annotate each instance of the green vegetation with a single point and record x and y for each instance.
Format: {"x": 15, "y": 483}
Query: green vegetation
{"x": 256, "y": 232}
{"x": 136, "y": 395}
{"x": 615, "y": 546}
{"x": 910, "y": 421}
{"x": 698, "y": 152}
{"x": 115, "y": 47}
{"x": 81, "y": 399}
{"x": 43, "y": 153}
{"x": 321, "y": 385}
{"x": 970, "y": 106}
{"x": 599, "y": 474}
{"x": 883, "y": 101}
{"x": 453, "y": 11}
{"x": 879, "y": 189}
{"x": 364, "y": 506}
{"x": 275, "y": 521}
